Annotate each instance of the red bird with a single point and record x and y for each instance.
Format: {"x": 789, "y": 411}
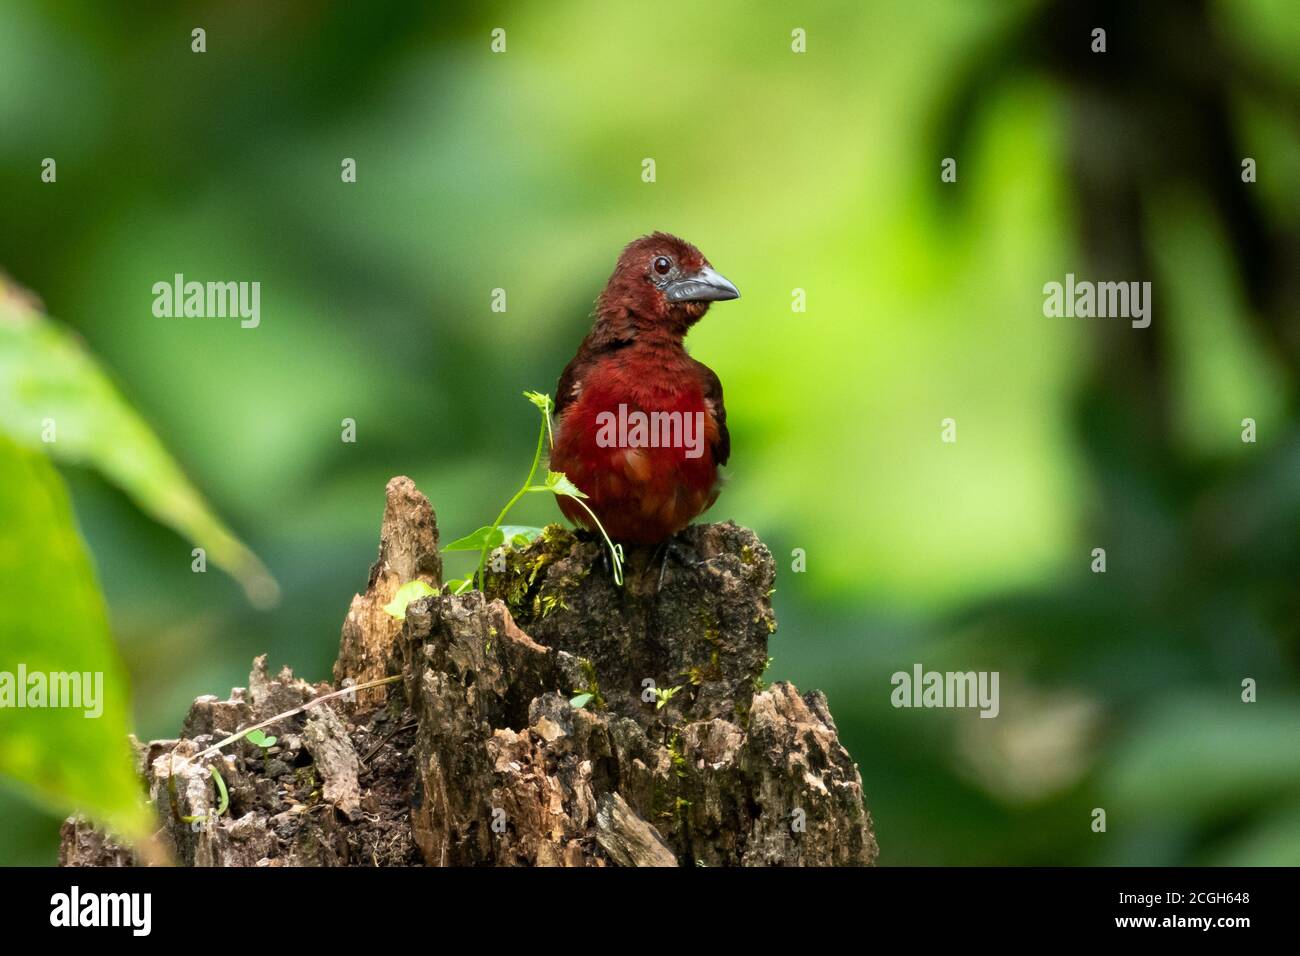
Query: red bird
{"x": 641, "y": 428}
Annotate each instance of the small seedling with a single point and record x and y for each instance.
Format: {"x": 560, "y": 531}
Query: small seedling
{"x": 258, "y": 739}
{"x": 664, "y": 694}
{"x": 485, "y": 539}
{"x": 408, "y": 592}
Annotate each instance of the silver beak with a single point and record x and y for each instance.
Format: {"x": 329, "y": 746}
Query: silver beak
{"x": 704, "y": 286}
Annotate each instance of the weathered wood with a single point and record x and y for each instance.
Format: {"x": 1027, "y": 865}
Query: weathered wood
{"x": 477, "y": 755}
{"x": 408, "y": 550}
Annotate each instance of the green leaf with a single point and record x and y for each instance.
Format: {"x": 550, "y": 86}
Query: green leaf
{"x": 558, "y": 482}
{"x": 475, "y": 540}
{"x": 581, "y": 701}
{"x": 53, "y": 621}
{"x": 544, "y": 404}
{"x": 519, "y": 535}
{"x": 49, "y": 381}
{"x": 461, "y": 585}
{"x": 259, "y": 739}
{"x": 540, "y": 399}
{"x": 664, "y": 695}
{"x": 408, "y": 592}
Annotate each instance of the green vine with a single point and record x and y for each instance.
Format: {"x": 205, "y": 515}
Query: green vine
{"x": 488, "y": 537}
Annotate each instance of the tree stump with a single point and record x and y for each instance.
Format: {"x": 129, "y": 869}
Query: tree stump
{"x": 556, "y": 719}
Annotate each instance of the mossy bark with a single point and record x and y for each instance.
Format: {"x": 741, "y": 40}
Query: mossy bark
{"x": 476, "y": 755}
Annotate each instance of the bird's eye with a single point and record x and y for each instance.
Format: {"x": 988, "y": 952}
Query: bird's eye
{"x": 662, "y": 265}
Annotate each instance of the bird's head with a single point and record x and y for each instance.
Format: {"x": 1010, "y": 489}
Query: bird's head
{"x": 661, "y": 282}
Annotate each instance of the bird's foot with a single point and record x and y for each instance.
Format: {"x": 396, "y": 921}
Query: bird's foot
{"x": 671, "y": 549}
{"x": 668, "y": 549}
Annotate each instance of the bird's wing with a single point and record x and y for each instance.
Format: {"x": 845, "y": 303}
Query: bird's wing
{"x": 570, "y": 385}
{"x": 712, "y": 387}
{"x": 598, "y": 344}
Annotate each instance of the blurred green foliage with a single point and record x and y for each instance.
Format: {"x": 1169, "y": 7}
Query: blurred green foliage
{"x": 55, "y": 398}
{"x": 53, "y": 624}
{"x": 817, "y": 171}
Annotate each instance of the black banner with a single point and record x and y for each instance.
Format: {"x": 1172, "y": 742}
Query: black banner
{"x": 130, "y": 905}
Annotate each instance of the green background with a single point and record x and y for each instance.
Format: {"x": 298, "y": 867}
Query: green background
{"x": 817, "y": 171}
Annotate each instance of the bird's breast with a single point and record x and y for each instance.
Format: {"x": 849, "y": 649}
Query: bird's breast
{"x": 643, "y": 455}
